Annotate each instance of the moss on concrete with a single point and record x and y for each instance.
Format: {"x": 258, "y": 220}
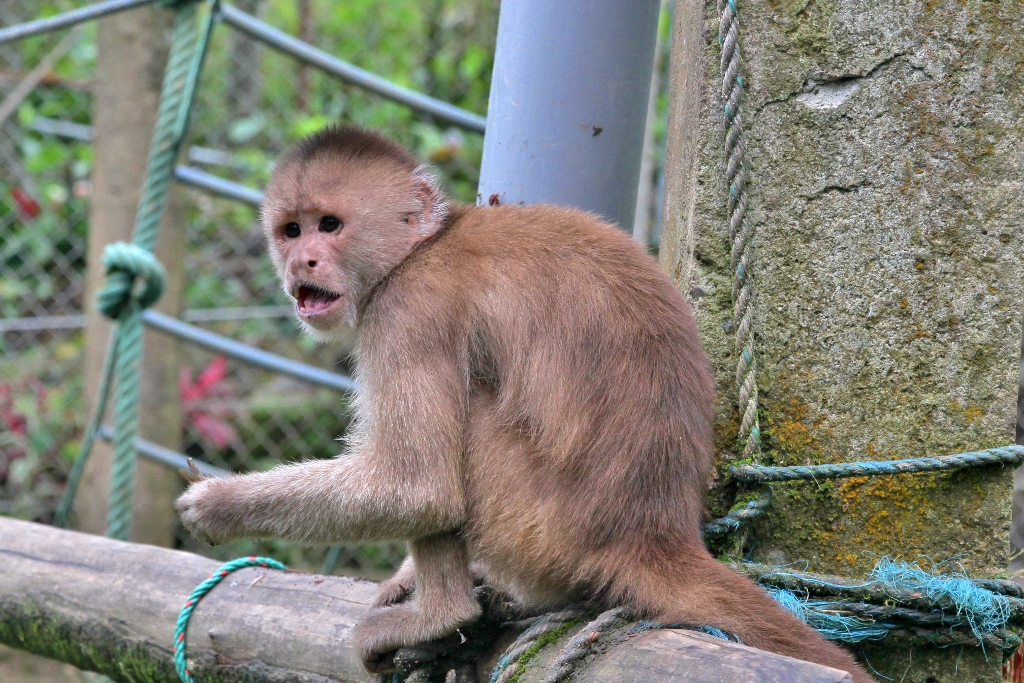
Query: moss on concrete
{"x": 886, "y": 168}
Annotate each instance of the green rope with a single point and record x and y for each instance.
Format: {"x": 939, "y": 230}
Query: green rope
{"x": 1007, "y": 455}
{"x": 180, "y": 662}
{"x": 741, "y": 230}
{"x": 67, "y": 498}
{"x": 732, "y": 521}
{"x": 188, "y": 49}
{"x": 134, "y": 278}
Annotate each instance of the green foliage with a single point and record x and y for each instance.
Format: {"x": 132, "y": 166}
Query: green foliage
{"x": 39, "y": 421}
{"x": 43, "y": 203}
{"x": 443, "y": 47}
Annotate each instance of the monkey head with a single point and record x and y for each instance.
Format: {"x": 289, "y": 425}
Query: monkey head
{"x": 343, "y": 208}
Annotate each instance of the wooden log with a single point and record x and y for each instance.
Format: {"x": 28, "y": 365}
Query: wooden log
{"x": 111, "y": 607}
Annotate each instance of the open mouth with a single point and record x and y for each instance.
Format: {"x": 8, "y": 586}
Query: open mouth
{"x": 313, "y": 299}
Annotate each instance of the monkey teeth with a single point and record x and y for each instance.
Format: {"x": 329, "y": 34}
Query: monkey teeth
{"x": 312, "y": 299}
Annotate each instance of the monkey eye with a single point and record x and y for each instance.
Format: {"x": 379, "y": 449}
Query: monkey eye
{"x": 292, "y": 230}
{"x": 329, "y": 224}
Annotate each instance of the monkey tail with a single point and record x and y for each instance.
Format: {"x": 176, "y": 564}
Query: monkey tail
{"x": 706, "y": 592}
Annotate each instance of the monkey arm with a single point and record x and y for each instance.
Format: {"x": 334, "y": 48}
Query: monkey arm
{"x": 401, "y": 479}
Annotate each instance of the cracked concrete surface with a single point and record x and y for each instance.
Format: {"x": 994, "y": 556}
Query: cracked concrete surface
{"x": 828, "y": 95}
{"x": 886, "y": 178}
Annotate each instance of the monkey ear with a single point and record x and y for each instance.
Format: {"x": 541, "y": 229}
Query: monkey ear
{"x": 427, "y": 190}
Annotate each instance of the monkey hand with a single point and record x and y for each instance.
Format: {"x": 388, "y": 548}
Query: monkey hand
{"x": 205, "y": 510}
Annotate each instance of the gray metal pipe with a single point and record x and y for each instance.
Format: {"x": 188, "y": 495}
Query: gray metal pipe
{"x": 165, "y": 456}
{"x": 247, "y": 354}
{"x": 327, "y": 62}
{"x": 68, "y": 19}
{"x": 568, "y": 103}
{"x": 202, "y": 180}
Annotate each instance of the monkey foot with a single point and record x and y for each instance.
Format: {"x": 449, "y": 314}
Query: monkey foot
{"x": 386, "y": 629}
{"x": 380, "y": 662}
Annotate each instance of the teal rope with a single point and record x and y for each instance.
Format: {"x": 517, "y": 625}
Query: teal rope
{"x": 732, "y": 521}
{"x": 330, "y": 560}
{"x": 125, "y": 264}
{"x": 180, "y": 662}
{"x": 188, "y": 50}
{"x": 1007, "y": 455}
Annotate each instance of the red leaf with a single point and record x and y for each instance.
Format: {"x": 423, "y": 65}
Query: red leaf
{"x": 188, "y": 392}
{"x": 16, "y": 422}
{"x": 217, "y": 432}
{"x": 27, "y": 204}
{"x": 213, "y": 374}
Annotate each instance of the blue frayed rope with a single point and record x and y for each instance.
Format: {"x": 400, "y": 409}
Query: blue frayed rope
{"x": 700, "y": 628}
{"x": 825, "y": 617}
{"x": 982, "y": 610}
{"x": 939, "y": 604}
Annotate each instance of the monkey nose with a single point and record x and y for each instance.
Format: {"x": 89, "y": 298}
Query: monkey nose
{"x": 311, "y": 263}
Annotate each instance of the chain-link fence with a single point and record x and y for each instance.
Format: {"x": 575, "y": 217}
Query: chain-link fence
{"x": 43, "y": 223}
{"x": 253, "y": 102}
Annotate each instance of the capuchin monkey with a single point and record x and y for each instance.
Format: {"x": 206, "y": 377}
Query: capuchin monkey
{"x": 533, "y": 399}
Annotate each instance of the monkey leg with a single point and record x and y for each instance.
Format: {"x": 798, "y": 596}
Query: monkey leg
{"x": 399, "y": 587}
{"x": 402, "y": 585}
{"x": 442, "y": 602}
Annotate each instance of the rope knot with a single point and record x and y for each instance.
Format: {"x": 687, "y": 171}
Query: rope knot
{"x": 126, "y": 263}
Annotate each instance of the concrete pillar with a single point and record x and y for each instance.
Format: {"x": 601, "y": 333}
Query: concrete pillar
{"x": 885, "y": 150}
{"x": 565, "y": 122}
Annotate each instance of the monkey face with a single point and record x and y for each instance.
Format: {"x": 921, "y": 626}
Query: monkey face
{"x": 336, "y": 227}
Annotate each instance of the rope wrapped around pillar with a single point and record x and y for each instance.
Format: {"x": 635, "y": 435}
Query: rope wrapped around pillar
{"x": 1006, "y": 455}
{"x": 741, "y": 230}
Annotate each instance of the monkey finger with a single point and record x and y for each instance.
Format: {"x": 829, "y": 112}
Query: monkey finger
{"x": 192, "y": 474}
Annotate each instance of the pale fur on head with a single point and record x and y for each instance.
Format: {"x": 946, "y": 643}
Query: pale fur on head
{"x": 365, "y": 179}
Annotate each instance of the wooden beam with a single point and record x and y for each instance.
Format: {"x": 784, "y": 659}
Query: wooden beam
{"x": 109, "y": 606}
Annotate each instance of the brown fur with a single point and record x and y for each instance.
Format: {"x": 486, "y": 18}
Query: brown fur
{"x": 533, "y": 399}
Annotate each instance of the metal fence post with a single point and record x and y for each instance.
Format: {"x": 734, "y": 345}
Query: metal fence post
{"x": 565, "y": 123}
